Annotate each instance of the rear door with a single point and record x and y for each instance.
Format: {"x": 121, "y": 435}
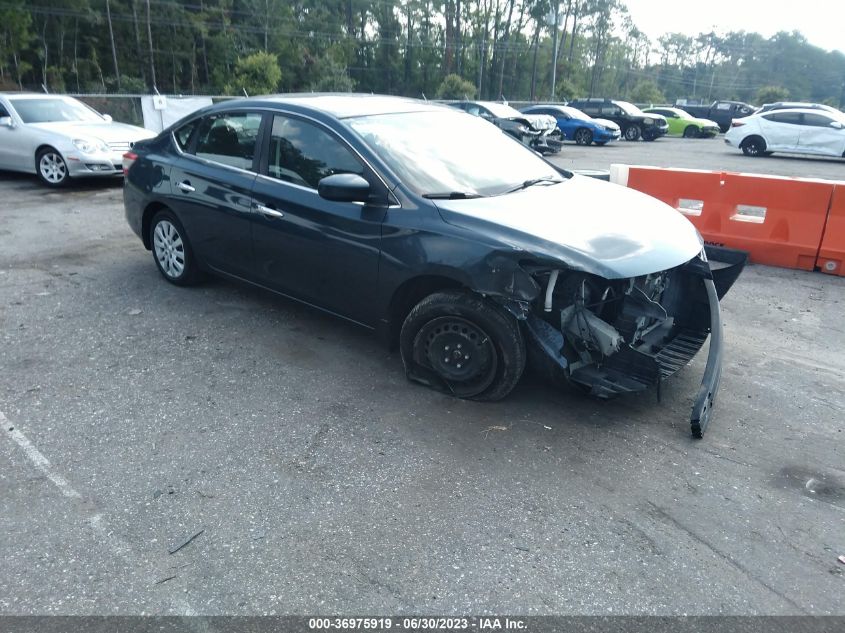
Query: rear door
{"x": 322, "y": 252}
{"x": 211, "y": 185}
{"x": 818, "y": 137}
{"x": 781, "y": 130}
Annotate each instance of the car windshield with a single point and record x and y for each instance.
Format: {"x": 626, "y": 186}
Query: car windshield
{"x": 52, "y": 109}
{"x": 501, "y": 110}
{"x": 628, "y": 108}
{"x": 574, "y": 113}
{"x": 443, "y": 152}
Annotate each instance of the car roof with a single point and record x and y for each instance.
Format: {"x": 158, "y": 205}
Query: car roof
{"x": 33, "y": 95}
{"x": 340, "y": 105}
{"x": 803, "y": 111}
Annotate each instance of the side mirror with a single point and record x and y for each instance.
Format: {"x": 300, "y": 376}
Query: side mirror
{"x": 833, "y": 124}
{"x": 6, "y": 121}
{"x": 108, "y": 118}
{"x": 344, "y": 188}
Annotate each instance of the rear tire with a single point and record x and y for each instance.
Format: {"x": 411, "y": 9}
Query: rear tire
{"x": 172, "y": 251}
{"x": 633, "y": 133}
{"x": 691, "y": 132}
{"x": 583, "y": 136}
{"x": 753, "y": 146}
{"x": 460, "y": 343}
{"x": 51, "y": 168}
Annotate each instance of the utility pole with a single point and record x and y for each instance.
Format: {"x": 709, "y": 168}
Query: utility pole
{"x": 554, "y": 53}
{"x": 113, "y": 48}
{"x": 150, "y": 42}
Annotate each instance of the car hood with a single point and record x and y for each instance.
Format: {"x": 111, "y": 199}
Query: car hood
{"x": 107, "y": 132}
{"x": 606, "y": 123}
{"x": 705, "y": 122}
{"x": 587, "y": 224}
{"x": 537, "y": 121}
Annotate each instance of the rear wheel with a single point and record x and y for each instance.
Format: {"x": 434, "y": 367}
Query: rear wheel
{"x": 583, "y": 136}
{"x": 463, "y": 344}
{"x": 632, "y": 133}
{"x": 172, "y": 251}
{"x": 753, "y": 146}
{"x": 51, "y": 167}
{"x": 690, "y": 131}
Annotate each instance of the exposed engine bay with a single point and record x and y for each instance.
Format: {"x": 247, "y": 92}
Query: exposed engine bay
{"x": 609, "y": 337}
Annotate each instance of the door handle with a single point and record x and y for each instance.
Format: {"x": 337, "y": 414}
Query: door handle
{"x": 267, "y": 212}
{"x": 185, "y": 186}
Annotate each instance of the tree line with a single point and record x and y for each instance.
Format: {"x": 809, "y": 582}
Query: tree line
{"x": 492, "y": 49}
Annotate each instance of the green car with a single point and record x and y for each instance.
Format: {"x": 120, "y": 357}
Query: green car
{"x": 684, "y": 124}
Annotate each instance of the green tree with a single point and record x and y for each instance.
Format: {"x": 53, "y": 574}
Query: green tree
{"x": 15, "y": 39}
{"x": 256, "y": 75}
{"x": 771, "y": 94}
{"x": 646, "y": 91}
{"x": 333, "y": 77}
{"x": 453, "y": 87}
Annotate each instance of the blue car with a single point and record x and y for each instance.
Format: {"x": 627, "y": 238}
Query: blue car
{"x": 577, "y": 126}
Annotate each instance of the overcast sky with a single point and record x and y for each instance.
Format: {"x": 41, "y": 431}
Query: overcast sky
{"x": 821, "y": 21}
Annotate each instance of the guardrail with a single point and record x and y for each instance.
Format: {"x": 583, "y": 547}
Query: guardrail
{"x": 787, "y": 222}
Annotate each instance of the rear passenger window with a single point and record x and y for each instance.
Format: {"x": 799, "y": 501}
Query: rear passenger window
{"x": 816, "y": 120}
{"x": 301, "y": 153}
{"x": 229, "y": 138}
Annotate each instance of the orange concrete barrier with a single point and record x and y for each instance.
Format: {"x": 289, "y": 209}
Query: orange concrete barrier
{"x": 832, "y": 250}
{"x": 779, "y": 221}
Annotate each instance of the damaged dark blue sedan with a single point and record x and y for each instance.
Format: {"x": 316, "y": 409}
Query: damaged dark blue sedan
{"x": 452, "y": 240}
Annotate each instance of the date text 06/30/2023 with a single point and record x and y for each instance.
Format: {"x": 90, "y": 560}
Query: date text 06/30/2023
{"x": 416, "y": 624}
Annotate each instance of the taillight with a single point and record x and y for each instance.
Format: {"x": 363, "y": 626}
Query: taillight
{"x": 737, "y": 123}
{"x": 128, "y": 159}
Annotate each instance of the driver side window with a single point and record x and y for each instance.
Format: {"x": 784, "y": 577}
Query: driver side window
{"x": 301, "y": 153}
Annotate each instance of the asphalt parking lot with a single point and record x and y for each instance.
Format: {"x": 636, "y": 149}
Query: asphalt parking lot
{"x": 711, "y": 154}
{"x": 314, "y": 479}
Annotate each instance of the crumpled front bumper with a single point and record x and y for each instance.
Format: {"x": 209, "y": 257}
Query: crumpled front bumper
{"x": 633, "y": 369}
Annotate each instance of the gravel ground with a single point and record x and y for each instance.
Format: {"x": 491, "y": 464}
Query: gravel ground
{"x": 315, "y": 479}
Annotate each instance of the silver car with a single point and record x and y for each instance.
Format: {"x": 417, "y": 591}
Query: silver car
{"x": 58, "y": 138}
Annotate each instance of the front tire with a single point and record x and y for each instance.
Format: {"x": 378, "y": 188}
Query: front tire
{"x": 463, "y": 344}
{"x": 691, "y": 132}
{"x": 583, "y": 136}
{"x": 51, "y": 167}
{"x": 633, "y": 133}
{"x": 172, "y": 251}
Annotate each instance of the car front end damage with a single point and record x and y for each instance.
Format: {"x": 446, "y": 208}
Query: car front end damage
{"x": 609, "y": 337}
{"x": 538, "y": 131}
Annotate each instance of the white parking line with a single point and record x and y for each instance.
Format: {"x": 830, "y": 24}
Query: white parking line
{"x": 38, "y": 460}
{"x": 95, "y": 521}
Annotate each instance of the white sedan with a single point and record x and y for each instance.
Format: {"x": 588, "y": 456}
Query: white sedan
{"x": 59, "y": 138}
{"x": 795, "y": 131}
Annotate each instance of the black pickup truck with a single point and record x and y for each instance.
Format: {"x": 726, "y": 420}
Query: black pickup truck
{"x": 722, "y": 112}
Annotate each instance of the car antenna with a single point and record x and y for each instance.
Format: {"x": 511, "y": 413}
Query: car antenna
{"x": 424, "y": 97}
{"x": 246, "y": 94}
{"x": 44, "y": 88}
